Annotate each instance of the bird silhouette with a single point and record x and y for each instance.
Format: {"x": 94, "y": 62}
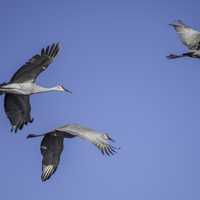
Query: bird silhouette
{"x": 52, "y": 145}
{"x": 18, "y": 90}
{"x": 189, "y": 37}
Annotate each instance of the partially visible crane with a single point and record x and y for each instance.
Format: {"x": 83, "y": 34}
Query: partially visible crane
{"x": 189, "y": 37}
{"x": 52, "y": 145}
{"x": 22, "y": 85}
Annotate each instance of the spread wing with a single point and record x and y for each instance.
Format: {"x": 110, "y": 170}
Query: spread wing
{"x": 189, "y": 36}
{"x": 18, "y": 110}
{"x": 100, "y": 140}
{"x": 37, "y": 64}
{"x": 51, "y": 148}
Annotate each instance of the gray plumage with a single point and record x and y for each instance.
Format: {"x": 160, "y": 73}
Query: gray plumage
{"x": 22, "y": 85}
{"x": 189, "y": 37}
{"x": 37, "y": 64}
{"x": 52, "y": 145}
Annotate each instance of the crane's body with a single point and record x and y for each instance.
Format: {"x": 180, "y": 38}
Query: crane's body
{"x": 52, "y": 145}
{"x": 189, "y": 37}
{"x": 23, "y": 84}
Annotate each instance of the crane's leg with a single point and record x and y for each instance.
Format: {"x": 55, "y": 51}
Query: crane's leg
{"x": 34, "y": 135}
{"x": 173, "y": 56}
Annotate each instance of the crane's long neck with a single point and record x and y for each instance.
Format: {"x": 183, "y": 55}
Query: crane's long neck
{"x": 40, "y": 89}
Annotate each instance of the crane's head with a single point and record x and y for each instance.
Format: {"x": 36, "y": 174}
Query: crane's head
{"x": 177, "y": 24}
{"x": 63, "y": 89}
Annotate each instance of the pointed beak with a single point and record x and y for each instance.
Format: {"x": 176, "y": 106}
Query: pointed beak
{"x": 171, "y": 24}
{"x": 66, "y": 90}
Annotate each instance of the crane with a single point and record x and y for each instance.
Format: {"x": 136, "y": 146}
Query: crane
{"x": 189, "y": 37}
{"x": 51, "y": 146}
{"x": 22, "y": 84}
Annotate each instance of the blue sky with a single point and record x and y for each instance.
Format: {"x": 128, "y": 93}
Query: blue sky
{"x": 113, "y": 59}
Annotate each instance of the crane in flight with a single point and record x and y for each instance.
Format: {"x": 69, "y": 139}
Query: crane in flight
{"x": 189, "y": 37}
{"x": 22, "y": 84}
{"x": 51, "y": 146}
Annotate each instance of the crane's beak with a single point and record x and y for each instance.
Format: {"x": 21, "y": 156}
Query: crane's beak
{"x": 66, "y": 90}
{"x": 173, "y": 25}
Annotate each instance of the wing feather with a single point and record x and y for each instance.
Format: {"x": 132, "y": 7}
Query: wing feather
{"x": 37, "y": 64}
{"x": 100, "y": 140}
{"x": 18, "y": 110}
{"x": 51, "y": 148}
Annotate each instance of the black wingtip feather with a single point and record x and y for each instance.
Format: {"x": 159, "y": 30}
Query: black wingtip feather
{"x": 47, "y": 50}
{"x": 109, "y": 150}
{"x": 20, "y": 125}
{"x": 55, "y": 50}
{"x": 51, "y": 51}
{"x": 42, "y": 51}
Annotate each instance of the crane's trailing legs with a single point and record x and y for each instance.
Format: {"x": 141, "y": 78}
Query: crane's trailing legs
{"x": 173, "y": 56}
{"x": 193, "y": 54}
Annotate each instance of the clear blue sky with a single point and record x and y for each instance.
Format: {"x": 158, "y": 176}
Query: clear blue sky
{"x": 113, "y": 59}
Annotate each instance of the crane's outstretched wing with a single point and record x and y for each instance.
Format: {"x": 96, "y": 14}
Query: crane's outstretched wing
{"x": 38, "y": 63}
{"x": 189, "y": 36}
{"x": 100, "y": 140}
{"x": 51, "y": 148}
{"x": 18, "y": 110}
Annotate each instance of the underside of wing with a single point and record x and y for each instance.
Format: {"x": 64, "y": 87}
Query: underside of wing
{"x": 100, "y": 140}
{"x": 18, "y": 110}
{"x": 75, "y": 129}
{"x": 51, "y": 149}
{"x": 38, "y": 63}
